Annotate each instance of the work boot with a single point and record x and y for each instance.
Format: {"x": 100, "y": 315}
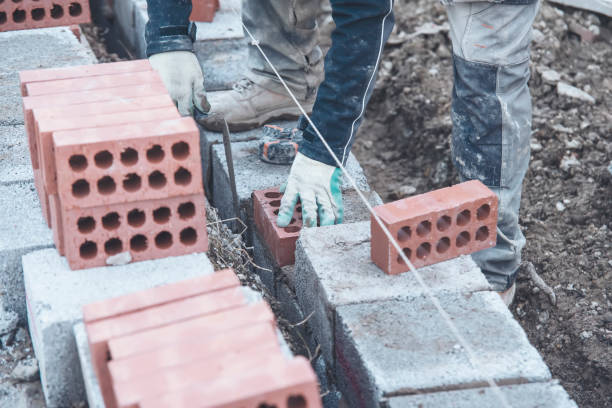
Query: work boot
{"x": 249, "y": 105}
{"x": 508, "y": 295}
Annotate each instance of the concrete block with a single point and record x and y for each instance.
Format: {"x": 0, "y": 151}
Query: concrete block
{"x": 56, "y": 296}
{"x": 15, "y": 164}
{"x": 223, "y": 61}
{"x": 333, "y": 268}
{"x": 10, "y": 99}
{"x": 538, "y": 395}
{"x": 90, "y": 381}
{"x": 22, "y": 230}
{"x": 396, "y": 347}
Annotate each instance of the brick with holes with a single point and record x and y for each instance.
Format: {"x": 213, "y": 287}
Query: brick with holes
{"x": 292, "y": 385}
{"x": 435, "y": 226}
{"x": 45, "y": 127}
{"x": 148, "y": 229}
{"x": 129, "y": 162}
{"x": 42, "y": 196}
{"x": 26, "y": 14}
{"x": 280, "y": 241}
{"x": 66, "y": 101}
{"x": 100, "y": 332}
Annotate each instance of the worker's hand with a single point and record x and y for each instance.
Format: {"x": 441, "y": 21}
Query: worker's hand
{"x": 182, "y": 75}
{"x": 317, "y": 185}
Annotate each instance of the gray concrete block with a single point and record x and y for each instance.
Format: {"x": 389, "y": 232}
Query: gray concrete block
{"x": 538, "y": 395}
{"x": 15, "y": 164}
{"x": 396, "y": 347}
{"x": 92, "y": 387}
{"x": 55, "y": 296}
{"x": 22, "y": 230}
{"x": 10, "y": 99}
{"x": 334, "y": 268}
{"x": 223, "y": 61}
{"x": 131, "y": 17}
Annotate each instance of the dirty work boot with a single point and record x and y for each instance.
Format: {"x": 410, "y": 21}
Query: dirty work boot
{"x": 249, "y": 105}
{"x": 508, "y": 295}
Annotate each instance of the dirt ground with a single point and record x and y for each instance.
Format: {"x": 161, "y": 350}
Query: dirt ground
{"x": 566, "y": 210}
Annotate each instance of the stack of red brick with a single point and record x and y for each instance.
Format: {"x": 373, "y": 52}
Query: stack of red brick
{"x": 116, "y": 167}
{"x": 25, "y": 14}
{"x": 196, "y": 343}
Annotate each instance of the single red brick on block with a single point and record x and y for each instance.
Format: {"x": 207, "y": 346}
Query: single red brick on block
{"x": 435, "y": 226}
{"x": 119, "y": 164}
{"x": 160, "y": 295}
{"x": 149, "y": 229}
{"x": 204, "y": 10}
{"x": 292, "y": 384}
{"x": 66, "y": 100}
{"x": 26, "y": 14}
{"x": 280, "y": 241}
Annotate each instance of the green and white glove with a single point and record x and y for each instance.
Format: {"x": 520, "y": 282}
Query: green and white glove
{"x": 182, "y": 75}
{"x": 317, "y": 186}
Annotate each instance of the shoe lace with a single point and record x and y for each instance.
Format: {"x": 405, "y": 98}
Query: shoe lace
{"x": 243, "y": 85}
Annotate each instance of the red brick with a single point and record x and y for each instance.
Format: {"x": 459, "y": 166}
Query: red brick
{"x": 90, "y": 83}
{"x": 146, "y": 160}
{"x": 99, "y": 333}
{"x": 433, "y": 227}
{"x": 76, "y": 98}
{"x": 46, "y": 127}
{"x": 149, "y": 229}
{"x": 82, "y": 71}
{"x": 292, "y": 384}
{"x": 43, "y": 198}
{"x": 227, "y": 365}
{"x": 159, "y": 295}
{"x": 280, "y": 241}
{"x": 26, "y": 14}
{"x": 204, "y": 10}
{"x": 56, "y": 220}
{"x": 191, "y": 349}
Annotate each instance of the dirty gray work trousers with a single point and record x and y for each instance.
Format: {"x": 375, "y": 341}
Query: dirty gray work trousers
{"x": 491, "y": 114}
{"x": 289, "y": 33}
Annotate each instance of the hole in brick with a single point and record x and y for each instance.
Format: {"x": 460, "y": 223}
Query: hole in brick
{"x": 157, "y": 180}
{"x": 423, "y": 228}
{"x": 132, "y": 182}
{"x": 129, "y": 157}
{"x": 443, "y": 245}
{"x": 296, "y": 401}
{"x": 111, "y": 221}
{"x": 423, "y": 250}
{"x": 275, "y": 203}
{"x": 404, "y": 234}
{"x": 80, "y": 188}
{"x": 113, "y": 246}
{"x": 272, "y": 194}
{"x": 88, "y": 250}
{"x": 19, "y": 16}
{"x": 38, "y": 14}
{"x": 291, "y": 230}
{"x": 155, "y": 154}
{"x": 462, "y": 239}
{"x": 136, "y": 217}
{"x": 57, "y": 11}
{"x": 77, "y": 162}
{"x": 189, "y": 236}
{"x": 443, "y": 223}
{"x": 463, "y": 218}
{"x": 482, "y": 233}
{"x": 264, "y": 405}
{"x": 75, "y": 9}
{"x": 276, "y": 211}
{"x": 86, "y": 224}
{"x": 2, "y": 17}
{"x": 106, "y": 185}
{"x": 163, "y": 240}
{"x": 407, "y": 252}
{"x": 182, "y": 177}
{"x": 161, "y": 215}
{"x": 138, "y": 243}
{"x": 103, "y": 159}
{"x": 186, "y": 211}
{"x": 483, "y": 212}
{"x": 180, "y": 150}
{"x": 298, "y": 209}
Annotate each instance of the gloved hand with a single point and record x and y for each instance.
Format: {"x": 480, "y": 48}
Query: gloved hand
{"x": 182, "y": 75}
{"x": 317, "y": 185}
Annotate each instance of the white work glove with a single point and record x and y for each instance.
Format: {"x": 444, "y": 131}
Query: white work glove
{"x": 317, "y": 186}
{"x": 182, "y": 75}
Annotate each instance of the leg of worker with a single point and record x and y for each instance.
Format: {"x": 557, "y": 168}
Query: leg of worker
{"x": 287, "y": 32}
{"x": 491, "y": 113}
